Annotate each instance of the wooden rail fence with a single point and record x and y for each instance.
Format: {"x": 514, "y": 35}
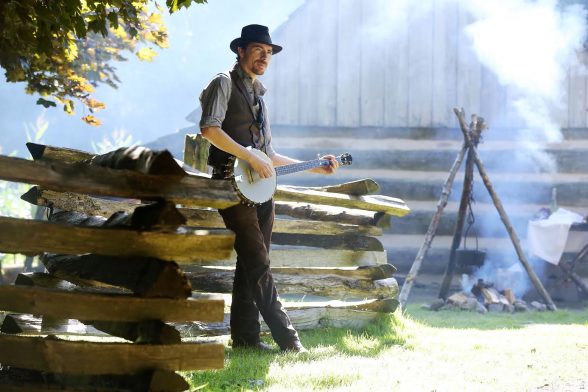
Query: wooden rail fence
{"x": 135, "y": 249}
{"x": 111, "y": 274}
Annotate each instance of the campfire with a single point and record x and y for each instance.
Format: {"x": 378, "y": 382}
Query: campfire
{"x": 484, "y": 297}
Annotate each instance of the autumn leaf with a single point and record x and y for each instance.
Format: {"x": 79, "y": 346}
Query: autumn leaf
{"x": 155, "y": 19}
{"x": 68, "y": 106}
{"x": 146, "y": 54}
{"x": 91, "y": 120}
{"x": 94, "y": 105}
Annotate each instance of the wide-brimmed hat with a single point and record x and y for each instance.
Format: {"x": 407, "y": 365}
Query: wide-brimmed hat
{"x": 254, "y": 33}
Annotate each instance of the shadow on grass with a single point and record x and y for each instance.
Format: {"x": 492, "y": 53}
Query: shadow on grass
{"x": 247, "y": 369}
{"x": 490, "y": 321}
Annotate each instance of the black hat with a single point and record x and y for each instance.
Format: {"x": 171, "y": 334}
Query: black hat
{"x": 254, "y": 33}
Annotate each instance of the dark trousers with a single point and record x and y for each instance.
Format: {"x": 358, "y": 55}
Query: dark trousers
{"x": 254, "y": 291}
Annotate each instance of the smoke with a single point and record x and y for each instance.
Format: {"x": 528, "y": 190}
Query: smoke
{"x": 530, "y": 45}
{"x": 513, "y": 277}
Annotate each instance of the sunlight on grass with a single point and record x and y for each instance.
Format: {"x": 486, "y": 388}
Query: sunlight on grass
{"x": 323, "y": 375}
{"x": 362, "y": 344}
{"x": 419, "y": 350}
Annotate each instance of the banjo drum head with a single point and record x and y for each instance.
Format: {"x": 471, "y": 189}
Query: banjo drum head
{"x": 258, "y": 191}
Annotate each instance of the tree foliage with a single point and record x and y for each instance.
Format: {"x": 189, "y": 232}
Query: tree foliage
{"x": 62, "y": 49}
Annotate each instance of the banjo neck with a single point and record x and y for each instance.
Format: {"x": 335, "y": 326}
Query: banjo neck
{"x": 303, "y": 166}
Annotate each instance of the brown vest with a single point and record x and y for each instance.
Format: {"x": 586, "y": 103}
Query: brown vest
{"x": 239, "y": 123}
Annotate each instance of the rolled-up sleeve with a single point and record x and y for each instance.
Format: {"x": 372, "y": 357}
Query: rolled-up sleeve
{"x": 214, "y": 100}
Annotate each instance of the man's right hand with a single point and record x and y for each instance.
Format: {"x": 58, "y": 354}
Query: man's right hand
{"x": 263, "y": 167}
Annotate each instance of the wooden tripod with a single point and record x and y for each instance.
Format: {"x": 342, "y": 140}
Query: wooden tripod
{"x": 471, "y": 138}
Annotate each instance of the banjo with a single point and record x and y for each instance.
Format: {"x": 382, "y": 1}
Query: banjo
{"x": 254, "y": 190}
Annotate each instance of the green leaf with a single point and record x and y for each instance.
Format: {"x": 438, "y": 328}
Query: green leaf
{"x": 113, "y": 19}
{"x": 15, "y": 74}
{"x": 172, "y": 5}
{"x": 46, "y": 103}
{"x": 80, "y": 27}
{"x": 98, "y": 25}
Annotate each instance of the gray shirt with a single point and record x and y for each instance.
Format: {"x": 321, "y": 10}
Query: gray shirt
{"x": 214, "y": 100}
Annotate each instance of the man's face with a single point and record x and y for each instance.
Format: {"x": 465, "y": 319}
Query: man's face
{"x": 255, "y": 58}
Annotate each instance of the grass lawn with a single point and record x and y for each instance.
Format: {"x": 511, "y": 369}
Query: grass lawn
{"x": 422, "y": 351}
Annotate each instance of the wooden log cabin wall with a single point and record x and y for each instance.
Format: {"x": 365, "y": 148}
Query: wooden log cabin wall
{"x": 137, "y": 254}
{"x": 386, "y": 64}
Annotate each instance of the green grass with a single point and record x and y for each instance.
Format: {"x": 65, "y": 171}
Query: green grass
{"x": 420, "y": 351}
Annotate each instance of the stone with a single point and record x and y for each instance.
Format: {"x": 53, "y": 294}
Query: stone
{"x": 437, "y": 304}
{"x": 509, "y": 308}
{"x": 448, "y": 306}
{"x": 538, "y": 306}
{"x": 520, "y": 306}
{"x": 470, "y": 304}
{"x": 497, "y": 307}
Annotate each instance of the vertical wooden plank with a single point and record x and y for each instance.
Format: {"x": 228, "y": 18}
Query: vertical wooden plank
{"x": 469, "y": 69}
{"x": 420, "y": 57}
{"x": 577, "y": 104}
{"x": 348, "y": 72}
{"x": 561, "y": 112}
{"x": 372, "y": 64}
{"x": 285, "y": 108}
{"x": 325, "y": 28}
{"x": 445, "y": 35}
{"x": 308, "y": 80}
{"x": 269, "y": 79}
{"x": 397, "y": 83}
{"x": 564, "y": 115}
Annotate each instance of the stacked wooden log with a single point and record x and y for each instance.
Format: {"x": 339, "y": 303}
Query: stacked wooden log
{"x": 323, "y": 247}
{"x": 113, "y": 271}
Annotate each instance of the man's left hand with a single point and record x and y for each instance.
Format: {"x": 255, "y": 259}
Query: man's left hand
{"x": 328, "y": 169}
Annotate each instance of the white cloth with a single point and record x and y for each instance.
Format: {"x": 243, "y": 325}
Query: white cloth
{"x": 547, "y": 238}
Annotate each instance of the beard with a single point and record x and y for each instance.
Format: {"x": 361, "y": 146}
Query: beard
{"x": 259, "y": 68}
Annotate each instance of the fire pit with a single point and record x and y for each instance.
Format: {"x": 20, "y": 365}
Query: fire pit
{"x": 483, "y": 297}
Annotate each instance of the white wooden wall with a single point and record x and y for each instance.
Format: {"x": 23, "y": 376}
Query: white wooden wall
{"x": 337, "y": 74}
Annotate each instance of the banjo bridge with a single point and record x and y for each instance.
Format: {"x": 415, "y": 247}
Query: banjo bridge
{"x": 250, "y": 176}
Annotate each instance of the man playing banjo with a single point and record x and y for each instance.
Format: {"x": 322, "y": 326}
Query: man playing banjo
{"x": 234, "y": 117}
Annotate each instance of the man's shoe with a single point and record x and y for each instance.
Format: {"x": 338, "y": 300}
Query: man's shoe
{"x": 295, "y": 347}
{"x": 257, "y": 345}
